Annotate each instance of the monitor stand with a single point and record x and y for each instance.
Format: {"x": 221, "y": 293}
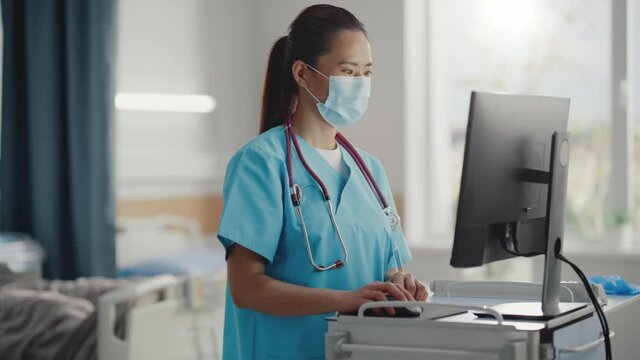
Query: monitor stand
{"x": 556, "y": 180}
{"x": 533, "y": 310}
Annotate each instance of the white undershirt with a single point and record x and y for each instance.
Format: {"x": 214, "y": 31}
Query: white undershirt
{"x": 334, "y": 158}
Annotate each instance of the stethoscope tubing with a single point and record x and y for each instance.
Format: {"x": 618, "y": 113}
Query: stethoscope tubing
{"x": 363, "y": 168}
{"x": 296, "y": 192}
{"x": 342, "y": 140}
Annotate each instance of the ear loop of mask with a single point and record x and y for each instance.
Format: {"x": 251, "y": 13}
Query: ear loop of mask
{"x": 306, "y": 88}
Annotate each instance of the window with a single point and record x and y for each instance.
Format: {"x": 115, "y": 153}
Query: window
{"x": 557, "y": 48}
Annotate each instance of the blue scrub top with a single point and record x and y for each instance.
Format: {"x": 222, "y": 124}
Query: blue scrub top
{"x": 258, "y": 215}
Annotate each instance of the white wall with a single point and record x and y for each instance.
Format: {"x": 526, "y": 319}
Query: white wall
{"x": 221, "y": 48}
{"x": 185, "y": 47}
{"x": 238, "y": 72}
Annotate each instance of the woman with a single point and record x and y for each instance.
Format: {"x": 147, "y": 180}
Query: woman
{"x": 292, "y": 258}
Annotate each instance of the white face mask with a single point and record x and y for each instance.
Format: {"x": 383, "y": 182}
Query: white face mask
{"x": 347, "y": 100}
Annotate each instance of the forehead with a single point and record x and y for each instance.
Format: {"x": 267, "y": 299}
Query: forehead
{"x": 348, "y": 45}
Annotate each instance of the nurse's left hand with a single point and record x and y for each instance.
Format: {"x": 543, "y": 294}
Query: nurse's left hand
{"x": 414, "y": 286}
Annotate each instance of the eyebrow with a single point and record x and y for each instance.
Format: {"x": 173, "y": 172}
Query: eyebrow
{"x": 352, "y": 63}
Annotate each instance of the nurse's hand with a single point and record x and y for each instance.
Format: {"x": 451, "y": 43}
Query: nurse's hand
{"x": 414, "y": 286}
{"x": 376, "y": 291}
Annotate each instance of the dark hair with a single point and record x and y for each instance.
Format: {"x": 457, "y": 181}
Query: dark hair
{"x": 309, "y": 38}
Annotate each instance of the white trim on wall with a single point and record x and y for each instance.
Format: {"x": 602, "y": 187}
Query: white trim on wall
{"x": 416, "y": 112}
{"x": 621, "y": 195}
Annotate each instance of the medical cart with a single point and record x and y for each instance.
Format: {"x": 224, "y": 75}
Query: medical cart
{"x": 479, "y": 332}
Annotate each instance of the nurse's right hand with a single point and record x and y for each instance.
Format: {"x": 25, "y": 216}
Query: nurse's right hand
{"x": 376, "y": 291}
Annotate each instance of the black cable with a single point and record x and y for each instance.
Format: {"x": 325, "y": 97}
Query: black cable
{"x": 529, "y": 254}
{"x": 508, "y": 245}
{"x": 603, "y": 319}
{"x": 599, "y": 312}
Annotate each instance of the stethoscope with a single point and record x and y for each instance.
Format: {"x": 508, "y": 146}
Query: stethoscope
{"x": 296, "y": 192}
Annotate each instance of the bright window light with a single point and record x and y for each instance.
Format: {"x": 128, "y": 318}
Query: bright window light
{"x": 188, "y": 103}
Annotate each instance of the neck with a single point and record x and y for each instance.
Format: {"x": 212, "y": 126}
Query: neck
{"x": 314, "y": 129}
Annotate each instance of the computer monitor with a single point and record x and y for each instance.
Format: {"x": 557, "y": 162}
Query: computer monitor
{"x": 513, "y": 189}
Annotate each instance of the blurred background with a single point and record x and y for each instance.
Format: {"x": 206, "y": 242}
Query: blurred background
{"x": 177, "y": 87}
{"x": 428, "y": 56}
{"x": 119, "y": 117}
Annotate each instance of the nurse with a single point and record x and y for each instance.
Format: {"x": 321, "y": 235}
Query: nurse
{"x": 317, "y": 80}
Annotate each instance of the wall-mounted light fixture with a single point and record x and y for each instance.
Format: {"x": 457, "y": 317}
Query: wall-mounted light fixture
{"x": 188, "y": 103}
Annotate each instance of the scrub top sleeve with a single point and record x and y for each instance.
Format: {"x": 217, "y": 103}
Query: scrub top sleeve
{"x": 399, "y": 241}
{"x": 253, "y": 204}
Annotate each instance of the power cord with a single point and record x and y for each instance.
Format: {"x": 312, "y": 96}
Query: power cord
{"x": 513, "y": 250}
{"x": 603, "y": 319}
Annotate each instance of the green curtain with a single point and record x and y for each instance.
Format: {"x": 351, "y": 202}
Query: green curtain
{"x": 56, "y": 161}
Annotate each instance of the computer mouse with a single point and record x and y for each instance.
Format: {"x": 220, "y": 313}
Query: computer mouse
{"x": 401, "y": 312}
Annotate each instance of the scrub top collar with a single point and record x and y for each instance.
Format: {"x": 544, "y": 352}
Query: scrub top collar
{"x": 316, "y": 160}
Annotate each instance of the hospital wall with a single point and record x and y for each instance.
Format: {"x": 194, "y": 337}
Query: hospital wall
{"x": 174, "y": 162}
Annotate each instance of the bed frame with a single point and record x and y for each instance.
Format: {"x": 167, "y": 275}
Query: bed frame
{"x": 162, "y": 321}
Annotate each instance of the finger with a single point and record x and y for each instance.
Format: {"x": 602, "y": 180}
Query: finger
{"x": 410, "y": 284}
{"x": 379, "y": 296}
{"x": 376, "y": 311}
{"x": 374, "y": 285}
{"x": 395, "y": 276}
{"x": 398, "y": 278}
{"x": 372, "y": 296}
{"x": 394, "y": 290}
{"x": 406, "y": 293}
{"x": 421, "y": 291}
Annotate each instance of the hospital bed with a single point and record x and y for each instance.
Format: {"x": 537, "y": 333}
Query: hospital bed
{"x": 169, "y": 305}
{"x": 178, "y": 323}
{"x": 188, "y": 322}
{"x": 162, "y": 317}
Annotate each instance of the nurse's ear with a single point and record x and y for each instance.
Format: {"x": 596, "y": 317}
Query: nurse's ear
{"x": 293, "y": 107}
{"x": 299, "y": 71}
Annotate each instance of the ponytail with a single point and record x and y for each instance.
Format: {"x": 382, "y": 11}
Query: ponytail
{"x": 278, "y": 87}
{"x": 309, "y": 37}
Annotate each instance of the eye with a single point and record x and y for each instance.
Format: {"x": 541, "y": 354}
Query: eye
{"x": 367, "y": 73}
{"x": 347, "y": 71}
